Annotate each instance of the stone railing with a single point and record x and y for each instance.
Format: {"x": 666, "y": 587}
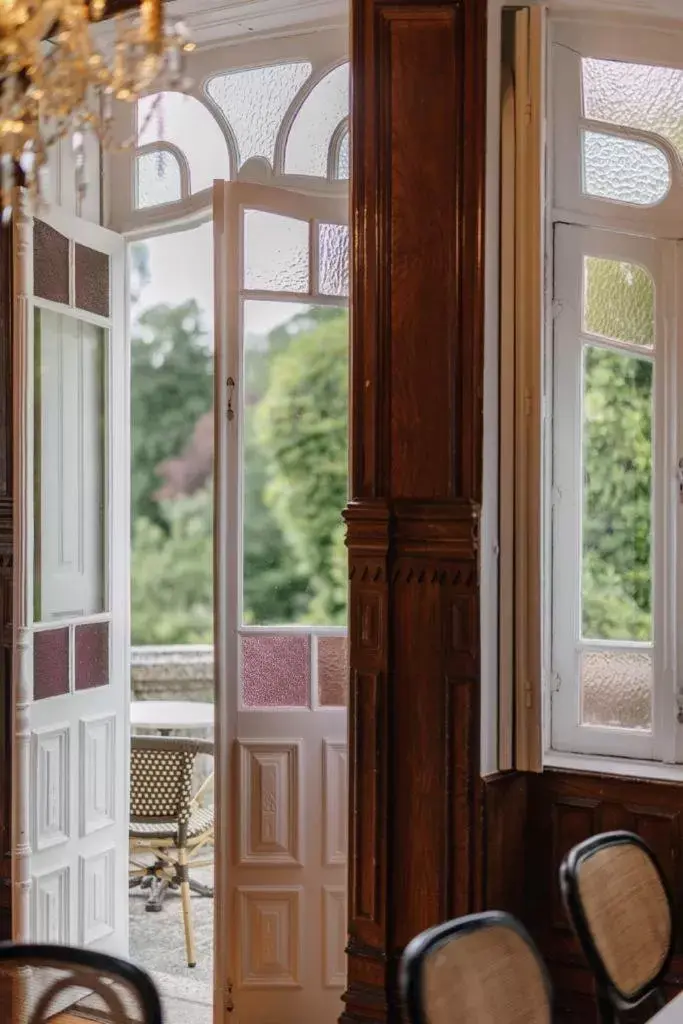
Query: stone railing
{"x": 172, "y": 673}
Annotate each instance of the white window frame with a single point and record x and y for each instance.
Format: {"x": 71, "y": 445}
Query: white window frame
{"x": 649, "y": 236}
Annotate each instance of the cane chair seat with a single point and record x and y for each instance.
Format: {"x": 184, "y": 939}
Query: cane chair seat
{"x": 202, "y": 820}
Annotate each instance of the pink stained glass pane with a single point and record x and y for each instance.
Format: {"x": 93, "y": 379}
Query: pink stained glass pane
{"x": 333, "y": 671}
{"x": 50, "y": 663}
{"x": 276, "y": 671}
{"x": 92, "y": 655}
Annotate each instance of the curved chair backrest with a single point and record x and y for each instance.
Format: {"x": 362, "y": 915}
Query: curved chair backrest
{"x": 161, "y": 769}
{"x": 619, "y": 904}
{"x": 39, "y": 981}
{"x": 475, "y": 970}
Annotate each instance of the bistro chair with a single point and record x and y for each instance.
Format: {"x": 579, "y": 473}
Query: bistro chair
{"x": 475, "y": 970}
{"x": 620, "y": 907}
{"x": 168, "y": 822}
{"x": 37, "y": 982}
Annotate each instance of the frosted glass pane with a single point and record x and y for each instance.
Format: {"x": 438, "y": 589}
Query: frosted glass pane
{"x": 69, "y": 467}
{"x": 186, "y": 123}
{"x": 619, "y": 301}
{"x": 344, "y": 159}
{"x": 92, "y": 655}
{"x": 616, "y": 689}
{"x": 157, "y": 180}
{"x": 333, "y": 671}
{"x": 617, "y": 527}
{"x": 254, "y": 103}
{"x": 636, "y": 96}
{"x": 311, "y": 133}
{"x": 294, "y": 464}
{"x": 333, "y": 247}
{"x": 50, "y": 663}
{"x": 276, "y": 253}
{"x": 276, "y": 671}
{"x": 625, "y": 170}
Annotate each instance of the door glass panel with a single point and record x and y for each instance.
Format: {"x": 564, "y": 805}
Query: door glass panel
{"x": 619, "y": 301}
{"x": 91, "y": 276}
{"x": 333, "y": 671}
{"x": 276, "y": 253}
{"x": 69, "y": 467}
{"x": 333, "y": 248}
{"x": 294, "y": 464}
{"x": 50, "y": 263}
{"x": 617, "y": 496}
{"x": 92, "y": 655}
{"x": 639, "y": 96}
{"x": 50, "y": 663}
{"x": 624, "y": 170}
{"x": 616, "y": 689}
{"x": 276, "y": 670}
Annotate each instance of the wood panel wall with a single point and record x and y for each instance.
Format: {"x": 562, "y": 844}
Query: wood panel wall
{"x": 417, "y": 311}
{"x": 556, "y": 811}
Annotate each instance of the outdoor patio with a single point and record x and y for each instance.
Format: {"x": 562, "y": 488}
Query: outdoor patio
{"x": 157, "y": 943}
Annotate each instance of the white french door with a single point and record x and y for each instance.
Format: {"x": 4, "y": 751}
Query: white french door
{"x": 281, "y": 284}
{"x": 615, "y": 502}
{"x": 71, "y": 630}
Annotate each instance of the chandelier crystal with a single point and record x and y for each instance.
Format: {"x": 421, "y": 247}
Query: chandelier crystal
{"x": 55, "y": 82}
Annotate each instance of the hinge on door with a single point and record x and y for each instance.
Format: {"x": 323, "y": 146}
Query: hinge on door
{"x": 230, "y": 386}
{"x": 555, "y": 683}
{"x": 557, "y": 308}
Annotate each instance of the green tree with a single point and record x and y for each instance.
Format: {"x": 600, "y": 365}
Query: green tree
{"x": 301, "y": 426}
{"x": 172, "y": 386}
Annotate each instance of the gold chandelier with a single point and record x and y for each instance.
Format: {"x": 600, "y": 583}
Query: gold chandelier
{"x": 56, "y": 82}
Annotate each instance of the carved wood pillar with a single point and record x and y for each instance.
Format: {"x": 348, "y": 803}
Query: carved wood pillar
{"x": 417, "y": 199}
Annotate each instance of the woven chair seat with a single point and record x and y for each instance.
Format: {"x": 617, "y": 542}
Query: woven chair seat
{"x": 200, "y": 821}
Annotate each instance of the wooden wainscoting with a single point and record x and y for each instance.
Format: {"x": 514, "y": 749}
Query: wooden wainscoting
{"x": 532, "y": 821}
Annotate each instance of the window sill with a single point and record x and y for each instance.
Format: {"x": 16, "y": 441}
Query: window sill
{"x": 625, "y": 767}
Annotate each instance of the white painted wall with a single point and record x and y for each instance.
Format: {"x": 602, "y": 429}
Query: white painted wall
{"x": 61, "y": 184}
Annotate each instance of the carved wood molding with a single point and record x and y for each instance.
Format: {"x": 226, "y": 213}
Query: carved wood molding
{"x": 412, "y": 524}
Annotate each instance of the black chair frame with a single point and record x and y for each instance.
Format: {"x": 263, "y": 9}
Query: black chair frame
{"x": 46, "y": 955}
{"x": 411, "y": 968}
{"x": 611, "y": 1000}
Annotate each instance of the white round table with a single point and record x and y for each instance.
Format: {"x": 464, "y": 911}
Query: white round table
{"x": 169, "y": 715}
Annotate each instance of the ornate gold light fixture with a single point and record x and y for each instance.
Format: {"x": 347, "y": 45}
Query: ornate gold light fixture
{"x": 56, "y": 82}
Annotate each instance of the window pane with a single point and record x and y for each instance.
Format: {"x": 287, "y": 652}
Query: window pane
{"x": 636, "y": 96}
{"x": 310, "y": 135}
{"x": 50, "y": 263}
{"x": 617, "y": 496}
{"x": 70, "y": 378}
{"x": 295, "y": 456}
{"x": 333, "y": 247}
{"x": 624, "y": 170}
{"x": 333, "y": 671}
{"x": 276, "y": 253}
{"x": 344, "y": 159}
{"x": 158, "y": 179}
{"x": 254, "y": 103}
{"x": 616, "y": 689}
{"x": 91, "y": 280}
{"x": 182, "y": 120}
{"x": 276, "y": 671}
{"x": 91, "y": 659}
{"x": 619, "y": 301}
{"x": 50, "y": 663}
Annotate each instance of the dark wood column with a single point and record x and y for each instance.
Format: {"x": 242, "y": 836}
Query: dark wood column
{"x": 417, "y": 202}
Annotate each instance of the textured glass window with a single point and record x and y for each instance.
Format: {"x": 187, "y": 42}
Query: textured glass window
{"x": 333, "y": 249}
{"x": 276, "y": 671}
{"x": 616, "y": 689}
{"x": 636, "y": 96}
{"x": 255, "y": 101}
{"x": 276, "y": 253}
{"x": 158, "y": 180}
{"x": 624, "y": 170}
{"x": 619, "y": 301}
{"x": 344, "y": 158}
{"x": 91, "y": 274}
{"x": 186, "y": 123}
{"x": 50, "y": 263}
{"x": 311, "y": 133}
{"x": 333, "y": 671}
{"x": 50, "y": 663}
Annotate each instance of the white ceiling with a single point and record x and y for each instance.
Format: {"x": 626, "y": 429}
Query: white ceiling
{"x": 214, "y": 21}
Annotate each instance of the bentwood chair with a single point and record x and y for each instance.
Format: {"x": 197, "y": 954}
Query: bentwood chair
{"x": 39, "y": 981}
{"x": 621, "y": 910}
{"x": 168, "y": 821}
{"x": 475, "y": 970}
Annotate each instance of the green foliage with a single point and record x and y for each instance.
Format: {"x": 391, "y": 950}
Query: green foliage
{"x": 295, "y": 458}
{"x": 617, "y": 448}
{"x": 172, "y": 386}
